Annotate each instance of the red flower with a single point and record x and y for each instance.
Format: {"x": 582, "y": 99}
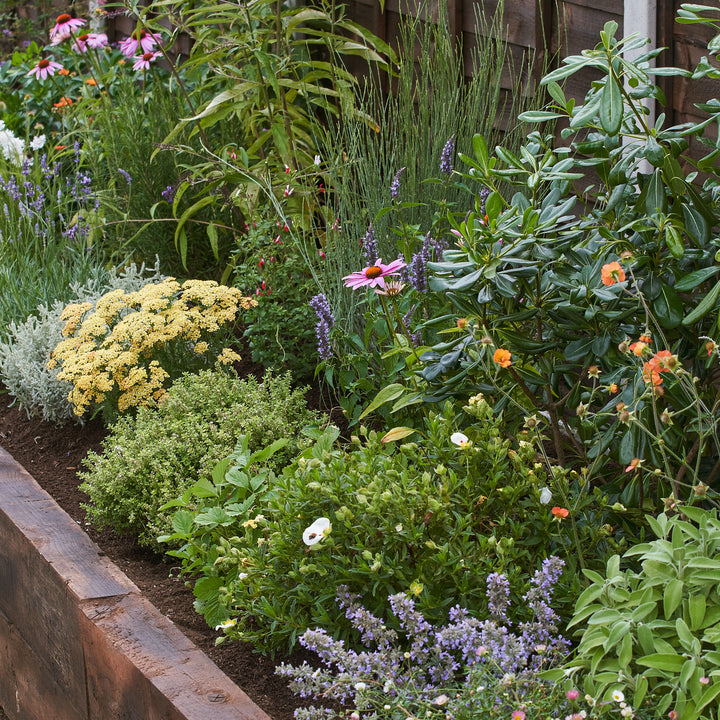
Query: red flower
{"x": 560, "y": 512}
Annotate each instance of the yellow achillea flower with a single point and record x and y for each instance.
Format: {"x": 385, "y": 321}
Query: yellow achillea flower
{"x": 112, "y": 352}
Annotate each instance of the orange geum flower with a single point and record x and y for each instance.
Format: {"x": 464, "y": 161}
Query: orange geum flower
{"x": 503, "y": 357}
{"x": 711, "y": 347}
{"x": 612, "y": 273}
{"x": 638, "y": 347}
{"x": 664, "y": 361}
{"x": 651, "y": 376}
{"x": 560, "y": 512}
{"x": 645, "y": 338}
{"x": 612, "y": 388}
{"x": 634, "y": 463}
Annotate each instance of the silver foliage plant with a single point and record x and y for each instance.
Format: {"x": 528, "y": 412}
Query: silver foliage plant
{"x": 25, "y": 353}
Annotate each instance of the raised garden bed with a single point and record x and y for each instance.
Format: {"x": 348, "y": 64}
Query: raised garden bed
{"x": 41, "y": 538}
{"x": 77, "y": 635}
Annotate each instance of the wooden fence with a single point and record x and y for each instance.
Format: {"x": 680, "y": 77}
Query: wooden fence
{"x": 544, "y": 30}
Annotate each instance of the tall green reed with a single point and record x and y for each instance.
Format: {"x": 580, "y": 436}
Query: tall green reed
{"x": 431, "y": 101}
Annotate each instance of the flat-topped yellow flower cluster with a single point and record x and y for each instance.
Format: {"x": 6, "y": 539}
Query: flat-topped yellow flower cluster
{"x": 117, "y": 348}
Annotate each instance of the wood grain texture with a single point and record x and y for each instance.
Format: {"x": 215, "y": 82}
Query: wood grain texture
{"x": 78, "y": 641}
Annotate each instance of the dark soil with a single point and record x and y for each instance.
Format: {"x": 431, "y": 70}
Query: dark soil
{"x": 53, "y": 455}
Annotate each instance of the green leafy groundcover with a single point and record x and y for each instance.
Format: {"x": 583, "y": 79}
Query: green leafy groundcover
{"x": 150, "y": 458}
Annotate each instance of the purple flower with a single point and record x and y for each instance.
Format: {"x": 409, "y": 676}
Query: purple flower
{"x": 126, "y": 175}
{"x": 322, "y": 329}
{"x": 395, "y": 184}
{"x": 168, "y": 194}
{"x": 447, "y": 156}
{"x": 369, "y": 246}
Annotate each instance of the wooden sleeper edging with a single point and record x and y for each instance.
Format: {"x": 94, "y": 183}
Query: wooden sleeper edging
{"x": 77, "y": 639}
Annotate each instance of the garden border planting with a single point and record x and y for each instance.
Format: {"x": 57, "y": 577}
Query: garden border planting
{"x": 78, "y": 637}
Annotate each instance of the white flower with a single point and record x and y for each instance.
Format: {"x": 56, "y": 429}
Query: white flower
{"x": 226, "y": 625}
{"x": 13, "y": 149}
{"x": 37, "y": 142}
{"x": 440, "y": 700}
{"x": 360, "y": 686}
{"x": 460, "y": 439}
{"x": 317, "y": 531}
{"x": 618, "y": 696}
{"x": 545, "y": 495}
{"x": 242, "y": 576}
{"x": 317, "y": 161}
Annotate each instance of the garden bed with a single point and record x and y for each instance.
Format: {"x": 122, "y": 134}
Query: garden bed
{"x": 52, "y": 456}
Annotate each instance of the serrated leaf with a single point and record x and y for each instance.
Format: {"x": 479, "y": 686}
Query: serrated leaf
{"x": 182, "y": 521}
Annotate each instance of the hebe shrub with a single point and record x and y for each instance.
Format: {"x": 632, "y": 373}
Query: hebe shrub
{"x": 431, "y": 518}
{"x": 151, "y": 458}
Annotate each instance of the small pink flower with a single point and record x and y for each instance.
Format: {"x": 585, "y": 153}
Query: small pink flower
{"x": 704, "y": 680}
{"x": 673, "y": 715}
{"x": 374, "y": 275}
{"x": 572, "y": 694}
{"x": 64, "y": 27}
{"x": 44, "y": 68}
{"x": 140, "y": 39}
{"x": 518, "y": 715}
{"x": 142, "y": 62}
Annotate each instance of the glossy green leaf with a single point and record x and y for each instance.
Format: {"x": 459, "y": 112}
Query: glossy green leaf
{"x": 655, "y": 197}
{"x": 611, "y": 106}
{"x": 387, "y": 394}
{"x": 693, "y": 279}
{"x": 668, "y": 307}
{"x": 704, "y": 306}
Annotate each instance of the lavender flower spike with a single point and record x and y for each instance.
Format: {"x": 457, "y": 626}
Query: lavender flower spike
{"x": 447, "y": 156}
{"x": 369, "y": 246}
{"x": 322, "y": 329}
{"x": 126, "y": 175}
{"x": 395, "y": 184}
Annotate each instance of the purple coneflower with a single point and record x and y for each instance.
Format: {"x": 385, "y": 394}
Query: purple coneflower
{"x": 89, "y": 40}
{"x": 142, "y": 62}
{"x": 139, "y": 39}
{"x": 44, "y": 68}
{"x": 64, "y": 27}
{"x": 374, "y": 275}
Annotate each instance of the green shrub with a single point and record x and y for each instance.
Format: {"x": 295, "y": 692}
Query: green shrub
{"x": 25, "y": 354}
{"x": 654, "y": 634}
{"x": 150, "y": 459}
{"x": 432, "y": 518}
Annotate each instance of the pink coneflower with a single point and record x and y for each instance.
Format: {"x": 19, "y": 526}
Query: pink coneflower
{"x": 139, "y": 39}
{"x": 64, "y": 27}
{"x": 374, "y": 275}
{"x": 89, "y": 40}
{"x": 44, "y": 68}
{"x": 142, "y": 62}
